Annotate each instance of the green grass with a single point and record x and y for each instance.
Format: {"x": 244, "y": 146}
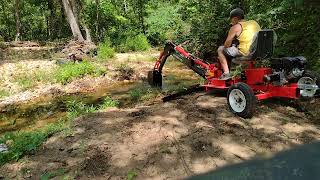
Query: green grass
{"x": 78, "y": 108}
{"x": 70, "y": 71}
{"x": 50, "y": 175}
{"x": 131, "y": 175}
{"x": 28, "y": 80}
{"x": 108, "y": 102}
{"x": 24, "y": 142}
{"x": 4, "y": 93}
{"x": 144, "y": 93}
{"x": 43, "y": 76}
{"x": 25, "y": 82}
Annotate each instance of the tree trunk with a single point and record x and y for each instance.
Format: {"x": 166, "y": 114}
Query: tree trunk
{"x": 18, "y": 22}
{"x": 88, "y": 36}
{"x": 97, "y": 20}
{"x": 72, "y": 21}
{"x": 52, "y": 20}
{"x": 74, "y": 10}
{"x": 141, "y": 15}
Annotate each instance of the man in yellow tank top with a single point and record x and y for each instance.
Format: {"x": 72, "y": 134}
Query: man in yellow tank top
{"x": 242, "y": 30}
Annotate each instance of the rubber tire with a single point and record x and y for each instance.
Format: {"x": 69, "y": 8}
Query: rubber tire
{"x": 313, "y": 75}
{"x": 251, "y": 100}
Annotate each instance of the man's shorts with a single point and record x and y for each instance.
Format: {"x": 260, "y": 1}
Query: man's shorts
{"x": 231, "y": 52}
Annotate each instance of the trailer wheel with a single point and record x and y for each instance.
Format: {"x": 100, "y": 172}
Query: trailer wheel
{"x": 241, "y": 100}
{"x": 313, "y": 76}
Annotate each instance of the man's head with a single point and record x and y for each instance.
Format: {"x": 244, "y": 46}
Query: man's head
{"x": 236, "y": 15}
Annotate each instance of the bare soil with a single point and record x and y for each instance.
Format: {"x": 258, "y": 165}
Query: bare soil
{"x": 191, "y": 135}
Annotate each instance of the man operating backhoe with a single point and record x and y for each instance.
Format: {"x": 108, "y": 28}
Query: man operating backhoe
{"x": 242, "y": 30}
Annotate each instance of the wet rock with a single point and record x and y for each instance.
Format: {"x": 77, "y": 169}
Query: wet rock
{"x": 61, "y": 61}
{"x": 3, "y": 148}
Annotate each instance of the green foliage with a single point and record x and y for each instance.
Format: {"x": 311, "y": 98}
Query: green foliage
{"x": 68, "y": 72}
{"x": 50, "y": 175}
{"x": 296, "y": 25}
{"x": 144, "y": 93}
{"x": 209, "y": 23}
{"x": 131, "y": 175}
{"x": 165, "y": 23}
{"x": 40, "y": 20}
{"x": 25, "y": 82}
{"x": 22, "y": 143}
{"x": 4, "y": 93}
{"x": 203, "y": 24}
{"x": 136, "y": 94}
{"x": 77, "y": 108}
{"x": 135, "y": 43}
{"x": 43, "y": 76}
{"x": 105, "y": 51}
{"x": 109, "y": 102}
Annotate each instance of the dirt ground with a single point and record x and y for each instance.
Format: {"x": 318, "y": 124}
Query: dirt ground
{"x": 173, "y": 140}
{"x": 190, "y": 135}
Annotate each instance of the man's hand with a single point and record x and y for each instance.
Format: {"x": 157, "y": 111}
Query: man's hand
{"x": 233, "y": 32}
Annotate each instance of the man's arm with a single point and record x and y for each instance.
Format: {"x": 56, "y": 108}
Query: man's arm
{"x": 232, "y": 34}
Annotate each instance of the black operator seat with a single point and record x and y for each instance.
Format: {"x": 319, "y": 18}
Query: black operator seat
{"x": 261, "y": 47}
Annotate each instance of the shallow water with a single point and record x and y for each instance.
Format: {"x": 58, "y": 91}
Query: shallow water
{"x": 45, "y": 110}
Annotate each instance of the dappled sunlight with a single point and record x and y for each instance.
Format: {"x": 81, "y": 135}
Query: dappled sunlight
{"x": 229, "y": 146}
{"x": 175, "y": 139}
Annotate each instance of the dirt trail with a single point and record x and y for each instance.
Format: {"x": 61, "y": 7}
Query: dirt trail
{"x": 191, "y": 135}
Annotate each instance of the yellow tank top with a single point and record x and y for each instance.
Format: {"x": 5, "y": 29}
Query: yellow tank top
{"x": 249, "y": 29}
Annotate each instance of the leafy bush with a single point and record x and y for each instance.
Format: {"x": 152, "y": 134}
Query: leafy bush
{"x": 165, "y": 23}
{"x": 66, "y": 73}
{"x": 135, "y": 43}
{"x": 297, "y": 35}
{"x": 105, "y": 51}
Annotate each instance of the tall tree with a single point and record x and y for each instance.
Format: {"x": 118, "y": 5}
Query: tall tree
{"x": 72, "y": 20}
{"x": 97, "y": 19}
{"x": 18, "y": 21}
{"x": 52, "y": 19}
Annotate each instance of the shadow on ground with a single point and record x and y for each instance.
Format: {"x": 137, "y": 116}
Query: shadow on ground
{"x": 191, "y": 135}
